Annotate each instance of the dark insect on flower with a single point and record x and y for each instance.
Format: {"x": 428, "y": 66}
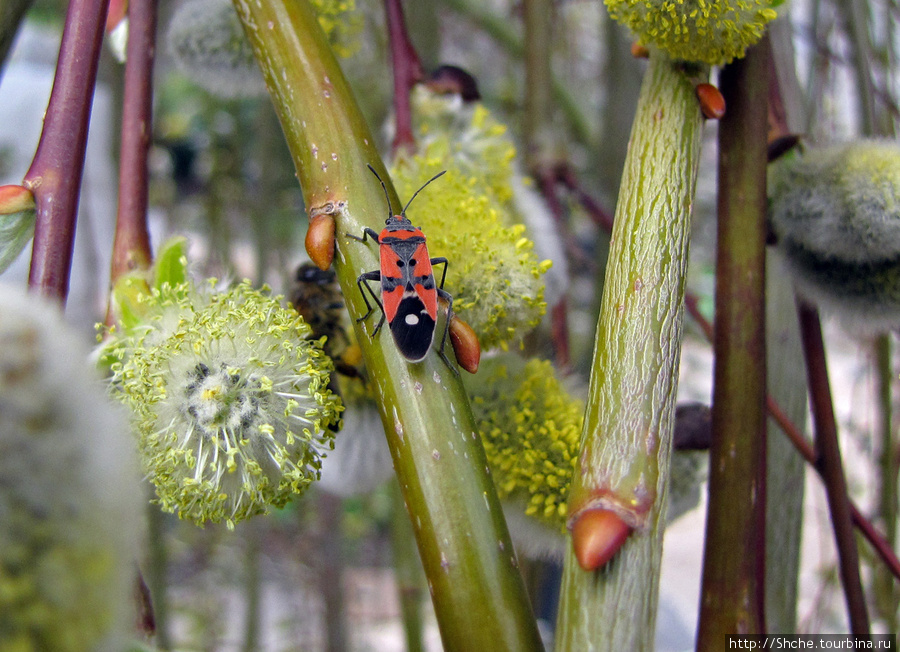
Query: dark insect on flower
{"x": 317, "y": 296}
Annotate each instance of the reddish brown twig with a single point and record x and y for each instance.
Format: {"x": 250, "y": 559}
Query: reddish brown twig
{"x": 56, "y": 170}
{"x": 799, "y": 441}
{"x": 828, "y": 463}
{"x": 407, "y": 73}
{"x": 131, "y": 246}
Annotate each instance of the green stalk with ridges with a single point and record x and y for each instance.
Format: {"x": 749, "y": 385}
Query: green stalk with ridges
{"x": 627, "y": 436}
{"x": 478, "y": 593}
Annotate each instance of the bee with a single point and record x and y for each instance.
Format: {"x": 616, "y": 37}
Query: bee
{"x": 317, "y": 296}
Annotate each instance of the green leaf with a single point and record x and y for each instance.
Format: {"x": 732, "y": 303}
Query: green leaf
{"x": 171, "y": 263}
{"x": 16, "y": 229}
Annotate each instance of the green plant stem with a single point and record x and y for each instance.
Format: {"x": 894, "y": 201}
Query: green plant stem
{"x": 828, "y": 459}
{"x": 537, "y": 117}
{"x": 785, "y": 468}
{"x": 856, "y": 25}
{"x": 55, "y": 173}
{"x": 478, "y": 594}
{"x": 331, "y": 571}
{"x": 627, "y": 437}
{"x": 408, "y": 571}
{"x": 252, "y": 586}
{"x": 886, "y": 592}
{"x": 157, "y": 566}
{"x": 504, "y": 35}
{"x": 733, "y": 564}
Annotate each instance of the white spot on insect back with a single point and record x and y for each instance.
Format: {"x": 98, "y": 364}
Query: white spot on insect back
{"x": 411, "y": 320}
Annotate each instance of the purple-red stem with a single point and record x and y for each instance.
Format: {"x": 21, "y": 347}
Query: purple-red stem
{"x": 797, "y": 438}
{"x": 407, "y": 73}
{"x": 599, "y": 214}
{"x": 131, "y": 247}
{"x": 55, "y": 173}
{"x": 828, "y": 462}
{"x": 875, "y": 538}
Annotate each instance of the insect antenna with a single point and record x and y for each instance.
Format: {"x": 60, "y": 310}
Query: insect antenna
{"x": 383, "y": 187}
{"x": 403, "y": 212}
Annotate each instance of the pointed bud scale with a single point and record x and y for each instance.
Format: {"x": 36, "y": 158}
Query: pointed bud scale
{"x": 14, "y": 199}
{"x": 597, "y": 535}
{"x": 465, "y": 344}
{"x": 320, "y": 240}
{"x": 118, "y": 10}
{"x": 712, "y": 102}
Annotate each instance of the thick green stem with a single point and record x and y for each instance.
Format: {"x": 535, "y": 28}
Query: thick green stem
{"x": 479, "y": 597}
{"x": 408, "y": 571}
{"x": 733, "y": 564}
{"x": 629, "y": 420}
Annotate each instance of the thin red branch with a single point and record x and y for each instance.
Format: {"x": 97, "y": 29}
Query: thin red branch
{"x": 407, "y": 73}
{"x": 131, "y": 247}
{"x": 56, "y": 170}
{"x": 799, "y": 441}
{"x": 804, "y": 447}
{"x": 598, "y": 213}
{"x": 828, "y": 463}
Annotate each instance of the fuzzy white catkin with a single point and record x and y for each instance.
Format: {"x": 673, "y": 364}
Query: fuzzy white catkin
{"x": 835, "y": 213}
{"x": 207, "y": 41}
{"x": 69, "y": 490}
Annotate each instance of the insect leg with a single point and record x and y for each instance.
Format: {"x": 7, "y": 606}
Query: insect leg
{"x": 366, "y": 233}
{"x": 363, "y": 284}
{"x": 449, "y": 299}
{"x": 441, "y": 261}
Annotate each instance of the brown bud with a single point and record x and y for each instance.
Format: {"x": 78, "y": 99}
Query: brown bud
{"x": 320, "y": 240}
{"x": 597, "y": 535}
{"x": 465, "y": 344}
{"x": 712, "y": 103}
{"x": 639, "y": 50}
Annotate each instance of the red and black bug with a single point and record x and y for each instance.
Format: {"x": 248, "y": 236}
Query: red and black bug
{"x": 409, "y": 295}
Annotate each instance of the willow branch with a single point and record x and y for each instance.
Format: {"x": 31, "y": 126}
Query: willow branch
{"x": 628, "y": 428}
{"x": 56, "y": 170}
{"x": 734, "y": 555}
{"x": 407, "y": 73}
{"x": 131, "y": 246}
{"x": 478, "y": 594}
{"x": 828, "y": 460}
